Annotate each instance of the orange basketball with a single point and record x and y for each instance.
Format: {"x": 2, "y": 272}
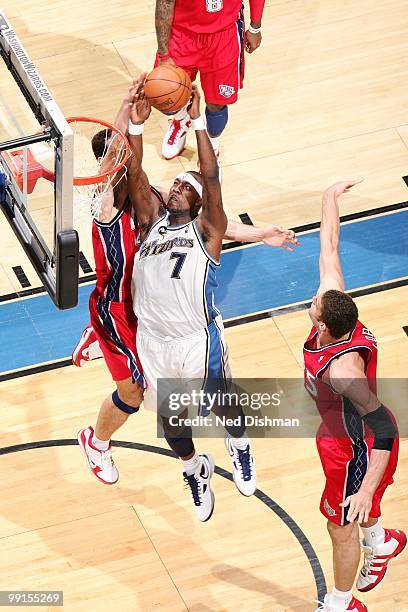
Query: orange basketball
{"x": 168, "y": 88}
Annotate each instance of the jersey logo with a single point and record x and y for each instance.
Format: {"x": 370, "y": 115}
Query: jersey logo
{"x": 213, "y": 6}
{"x": 321, "y": 358}
{"x": 226, "y": 90}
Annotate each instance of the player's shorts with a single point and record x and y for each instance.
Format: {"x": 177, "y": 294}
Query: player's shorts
{"x": 115, "y": 326}
{"x": 345, "y": 465}
{"x": 196, "y": 361}
{"x": 219, "y": 58}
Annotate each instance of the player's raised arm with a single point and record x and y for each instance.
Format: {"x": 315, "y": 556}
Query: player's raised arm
{"x": 212, "y": 221}
{"x": 163, "y": 21}
{"x": 147, "y": 207}
{"x": 273, "y": 235}
{"x": 331, "y": 274}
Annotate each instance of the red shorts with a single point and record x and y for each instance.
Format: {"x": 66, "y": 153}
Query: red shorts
{"x": 115, "y": 326}
{"x": 219, "y": 58}
{"x": 345, "y": 466}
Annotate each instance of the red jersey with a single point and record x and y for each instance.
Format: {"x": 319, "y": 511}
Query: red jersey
{"x": 210, "y": 16}
{"x": 340, "y": 417}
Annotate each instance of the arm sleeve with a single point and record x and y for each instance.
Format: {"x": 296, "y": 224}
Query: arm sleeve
{"x": 383, "y": 428}
{"x": 256, "y": 8}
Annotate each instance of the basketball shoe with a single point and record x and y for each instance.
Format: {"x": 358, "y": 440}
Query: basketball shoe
{"x": 174, "y": 139}
{"x": 87, "y": 348}
{"x": 376, "y": 559}
{"x": 243, "y": 467}
{"x": 99, "y": 462}
{"x": 200, "y": 489}
{"x": 354, "y": 606}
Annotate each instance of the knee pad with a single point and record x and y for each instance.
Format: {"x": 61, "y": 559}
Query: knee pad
{"x": 217, "y": 121}
{"x": 181, "y": 446}
{"x": 122, "y": 405}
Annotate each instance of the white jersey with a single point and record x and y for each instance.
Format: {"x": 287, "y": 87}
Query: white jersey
{"x": 173, "y": 282}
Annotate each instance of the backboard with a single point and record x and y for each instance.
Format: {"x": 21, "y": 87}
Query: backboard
{"x": 39, "y": 212}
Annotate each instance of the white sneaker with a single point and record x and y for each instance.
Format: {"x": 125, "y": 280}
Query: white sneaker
{"x": 376, "y": 559}
{"x": 354, "y": 606}
{"x": 99, "y": 462}
{"x": 243, "y": 467}
{"x": 174, "y": 139}
{"x": 87, "y": 348}
{"x": 200, "y": 489}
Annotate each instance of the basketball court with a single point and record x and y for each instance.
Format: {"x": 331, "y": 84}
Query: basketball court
{"x": 324, "y": 99}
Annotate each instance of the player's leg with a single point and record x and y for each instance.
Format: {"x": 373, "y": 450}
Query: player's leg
{"x": 183, "y": 49}
{"x": 222, "y": 79}
{"x": 163, "y": 360}
{"x": 379, "y": 544}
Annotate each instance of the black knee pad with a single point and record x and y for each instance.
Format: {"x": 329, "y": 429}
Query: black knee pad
{"x": 122, "y": 405}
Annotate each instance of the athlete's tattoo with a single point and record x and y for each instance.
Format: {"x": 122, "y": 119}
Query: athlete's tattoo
{"x": 163, "y": 22}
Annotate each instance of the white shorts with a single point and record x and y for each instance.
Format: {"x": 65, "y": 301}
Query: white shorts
{"x": 195, "y": 360}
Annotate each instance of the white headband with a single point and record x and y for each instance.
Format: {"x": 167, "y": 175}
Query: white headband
{"x": 186, "y": 177}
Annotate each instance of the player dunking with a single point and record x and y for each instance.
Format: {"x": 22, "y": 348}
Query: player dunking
{"x": 207, "y": 36}
{"x": 180, "y": 331}
{"x": 113, "y": 324}
{"x": 358, "y": 439}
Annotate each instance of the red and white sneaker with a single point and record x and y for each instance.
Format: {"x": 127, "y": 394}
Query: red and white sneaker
{"x": 99, "y": 462}
{"x": 174, "y": 139}
{"x": 87, "y": 348}
{"x": 354, "y": 606}
{"x": 376, "y": 559}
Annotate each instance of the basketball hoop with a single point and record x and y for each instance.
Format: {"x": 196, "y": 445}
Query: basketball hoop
{"x": 95, "y": 177}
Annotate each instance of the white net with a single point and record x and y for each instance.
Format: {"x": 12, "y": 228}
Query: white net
{"x": 100, "y": 154}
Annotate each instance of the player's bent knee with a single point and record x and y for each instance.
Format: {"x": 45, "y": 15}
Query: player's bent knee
{"x": 216, "y": 120}
{"x": 130, "y": 407}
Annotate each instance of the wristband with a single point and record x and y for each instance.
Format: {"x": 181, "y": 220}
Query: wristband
{"x": 254, "y": 30}
{"x": 198, "y": 124}
{"x": 135, "y": 129}
{"x": 163, "y": 56}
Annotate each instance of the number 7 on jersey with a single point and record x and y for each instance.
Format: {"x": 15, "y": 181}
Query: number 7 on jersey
{"x": 181, "y": 257}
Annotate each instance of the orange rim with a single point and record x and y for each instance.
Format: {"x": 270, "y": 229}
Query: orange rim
{"x": 99, "y": 178}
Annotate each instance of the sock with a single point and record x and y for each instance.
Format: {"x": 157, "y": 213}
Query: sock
{"x": 181, "y": 114}
{"x": 240, "y": 443}
{"x": 215, "y": 143}
{"x": 101, "y": 445}
{"x": 374, "y": 536}
{"x": 191, "y": 465}
{"x": 341, "y": 599}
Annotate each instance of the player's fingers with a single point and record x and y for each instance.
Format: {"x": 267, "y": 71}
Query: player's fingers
{"x": 345, "y": 503}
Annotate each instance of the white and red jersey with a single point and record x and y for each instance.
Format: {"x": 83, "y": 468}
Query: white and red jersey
{"x": 210, "y": 16}
{"x": 340, "y": 418}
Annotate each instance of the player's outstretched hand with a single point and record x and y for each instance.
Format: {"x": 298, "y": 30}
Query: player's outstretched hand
{"x": 359, "y": 506}
{"x": 277, "y": 236}
{"x": 252, "y": 41}
{"x": 194, "y": 108}
{"x": 342, "y": 186}
{"x": 140, "y": 108}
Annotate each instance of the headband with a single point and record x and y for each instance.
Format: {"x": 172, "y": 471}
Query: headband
{"x": 186, "y": 177}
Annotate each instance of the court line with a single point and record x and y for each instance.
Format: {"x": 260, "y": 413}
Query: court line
{"x": 290, "y": 523}
{"x": 229, "y": 245}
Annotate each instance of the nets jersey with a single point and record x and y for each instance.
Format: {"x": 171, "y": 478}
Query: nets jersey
{"x": 210, "y": 16}
{"x": 340, "y": 418}
{"x": 173, "y": 282}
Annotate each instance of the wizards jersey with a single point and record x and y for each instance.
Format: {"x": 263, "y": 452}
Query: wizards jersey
{"x": 173, "y": 282}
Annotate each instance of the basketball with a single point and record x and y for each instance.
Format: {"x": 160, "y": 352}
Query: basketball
{"x": 168, "y": 88}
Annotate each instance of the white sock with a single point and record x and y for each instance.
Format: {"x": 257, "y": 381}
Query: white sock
{"x": 340, "y": 599}
{"x": 101, "y": 445}
{"x": 240, "y": 443}
{"x": 374, "y": 536}
{"x": 191, "y": 465}
{"x": 215, "y": 143}
{"x": 181, "y": 114}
